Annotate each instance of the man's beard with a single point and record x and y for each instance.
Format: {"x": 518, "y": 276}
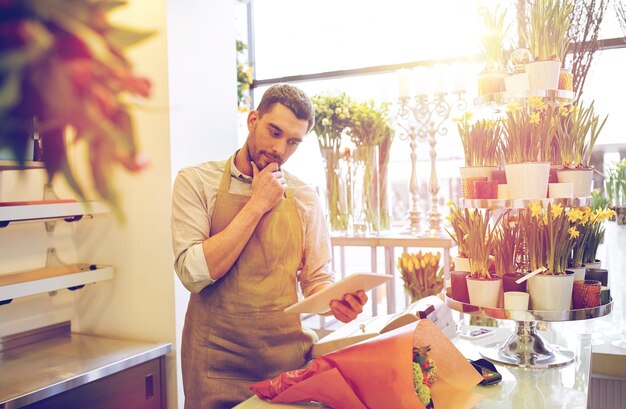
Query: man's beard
{"x": 263, "y": 157}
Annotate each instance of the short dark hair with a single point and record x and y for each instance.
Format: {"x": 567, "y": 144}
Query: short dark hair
{"x": 293, "y": 98}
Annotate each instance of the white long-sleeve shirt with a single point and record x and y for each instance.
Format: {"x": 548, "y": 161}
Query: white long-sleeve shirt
{"x": 193, "y": 199}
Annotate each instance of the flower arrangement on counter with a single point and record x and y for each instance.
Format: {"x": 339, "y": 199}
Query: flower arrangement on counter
{"x": 355, "y": 175}
{"x": 481, "y": 140}
{"x": 63, "y": 67}
{"x": 421, "y": 274}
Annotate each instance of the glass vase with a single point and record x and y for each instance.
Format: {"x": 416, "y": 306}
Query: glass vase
{"x": 336, "y": 190}
{"x": 363, "y": 185}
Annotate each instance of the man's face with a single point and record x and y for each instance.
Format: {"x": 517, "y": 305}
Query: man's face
{"x": 274, "y": 136}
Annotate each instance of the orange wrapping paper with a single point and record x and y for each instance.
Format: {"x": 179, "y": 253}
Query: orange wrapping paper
{"x": 378, "y": 374}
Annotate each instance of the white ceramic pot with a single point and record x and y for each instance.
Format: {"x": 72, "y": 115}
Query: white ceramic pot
{"x": 484, "y": 293}
{"x": 582, "y": 179}
{"x": 461, "y": 264}
{"x": 527, "y": 180}
{"x": 503, "y": 191}
{"x": 477, "y": 172}
{"x": 579, "y": 272}
{"x": 551, "y": 292}
{"x": 561, "y": 190}
{"x": 544, "y": 74}
{"x": 517, "y": 82}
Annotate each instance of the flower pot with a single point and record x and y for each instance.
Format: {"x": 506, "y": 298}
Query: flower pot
{"x": 462, "y": 264}
{"x": 363, "y": 194}
{"x": 553, "y": 176}
{"x": 470, "y": 186}
{"x": 595, "y": 264}
{"x": 337, "y": 209}
{"x": 517, "y": 82}
{"x": 516, "y": 300}
{"x": 581, "y": 178}
{"x": 586, "y": 294}
{"x": 598, "y": 274}
{"x": 490, "y": 82}
{"x": 527, "y": 180}
{"x": 579, "y": 272}
{"x": 566, "y": 80}
{"x": 509, "y": 284}
{"x": 458, "y": 286}
{"x": 478, "y": 172}
{"x": 551, "y": 292}
{"x": 561, "y": 190}
{"x": 484, "y": 292}
{"x": 544, "y": 74}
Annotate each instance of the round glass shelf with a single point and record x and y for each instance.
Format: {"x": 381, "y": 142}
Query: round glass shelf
{"x": 525, "y": 347}
{"x": 562, "y": 97}
{"x": 522, "y": 203}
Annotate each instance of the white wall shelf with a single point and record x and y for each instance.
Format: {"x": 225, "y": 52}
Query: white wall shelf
{"x": 27, "y": 283}
{"x": 47, "y": 210}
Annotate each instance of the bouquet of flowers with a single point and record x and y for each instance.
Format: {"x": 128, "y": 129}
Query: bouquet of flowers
{"x": 392, "y": 370}
{"x": 421, "y": 274}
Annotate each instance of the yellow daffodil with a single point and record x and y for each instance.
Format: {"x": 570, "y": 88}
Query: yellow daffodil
{"x": 574, "y": 214}
{"x": 537, "y": 103}
{"x": 535, "y": 209}
{"x": 450, "y": 203}
{"x": 449, "y": 217}
{"x": 573, "y": 233}
{"x": 557, "y": 210}
{"x": 563, "y": 111}
{"x": 512, "y": 107}
{"x": 535, "y": 118}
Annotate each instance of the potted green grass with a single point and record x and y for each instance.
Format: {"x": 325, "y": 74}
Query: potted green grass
{"x": 495, "y": 31}
{"x": 548, "y": 41}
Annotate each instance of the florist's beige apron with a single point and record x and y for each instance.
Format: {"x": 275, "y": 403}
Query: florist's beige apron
{"x": 236, "y": 332}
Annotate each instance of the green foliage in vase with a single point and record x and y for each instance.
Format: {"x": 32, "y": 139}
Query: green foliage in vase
{"x": 492, "y": 40}
{"x": 550, "y": 21}
{"x": 481, "y": 140}
{"x": 244, "y": 78}
{"x": 62, "y": 66}
{"x": 578, "y": 130}
{"x": 331, "y": 118}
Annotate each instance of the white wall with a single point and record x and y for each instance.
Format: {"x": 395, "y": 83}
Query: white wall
{"x": 191, "y": 117}
{"x": 203, "y": 99}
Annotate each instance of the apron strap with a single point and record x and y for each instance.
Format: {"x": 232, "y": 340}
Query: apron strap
{"x": 225, "y": 181}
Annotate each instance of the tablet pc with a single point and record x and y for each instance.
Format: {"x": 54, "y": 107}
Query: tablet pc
{"x": 318, "y": 302}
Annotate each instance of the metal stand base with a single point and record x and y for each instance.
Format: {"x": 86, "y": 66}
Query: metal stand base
{"x": 526, "y": 348}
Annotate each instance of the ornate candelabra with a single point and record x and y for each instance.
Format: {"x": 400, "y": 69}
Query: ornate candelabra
{"x": 426, "y": 118}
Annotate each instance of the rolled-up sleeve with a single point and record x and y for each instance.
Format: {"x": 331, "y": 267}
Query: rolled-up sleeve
{"x": 315, "y": 269}
{"x": 191, "y": 225}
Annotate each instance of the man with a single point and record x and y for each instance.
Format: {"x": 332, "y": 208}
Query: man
{"x": 245, "y": 232}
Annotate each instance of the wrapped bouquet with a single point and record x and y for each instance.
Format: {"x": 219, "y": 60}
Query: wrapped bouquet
{"x": 415, "y": 366}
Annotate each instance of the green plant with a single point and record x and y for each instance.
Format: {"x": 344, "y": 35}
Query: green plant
{"x": 596, "y": 233}
{"x": 528, "y": 132}
{"x": 550, "y": 21}
{"x": 479, "y": 240}
{"x": 481, "y": 141}
{"x": 244, "y": 78}
{"x": 456, "y": 220}
{"x": 549, "y": 237}
{"x": 577, "y": 134}
{"x": 492, "y": 40}
{"x": 62, "y": 66}
{"x": 507, "y": 247}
